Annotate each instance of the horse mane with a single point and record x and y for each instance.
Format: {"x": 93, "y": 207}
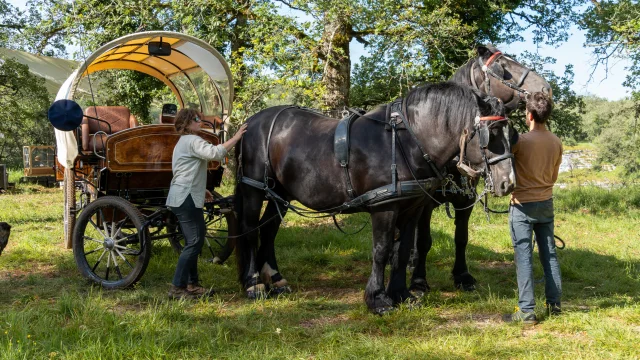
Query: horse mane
{"x": 446, "y": 104}
{"x": 463, "y": 74}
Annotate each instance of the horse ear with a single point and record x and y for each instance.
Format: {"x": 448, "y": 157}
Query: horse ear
{"x": 483, "y": 51}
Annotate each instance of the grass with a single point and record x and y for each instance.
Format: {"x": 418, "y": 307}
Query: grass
{"x": 48, "y": 311}
{"x": 581, "y": 146}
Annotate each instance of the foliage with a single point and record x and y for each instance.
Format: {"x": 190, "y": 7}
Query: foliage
{"x": 568, "y": 109}
{"x": 612, "y": 125}
{"x": 429, "y": 41}
{"x": 23, "y": 109}
{"x": 612, "y": 28}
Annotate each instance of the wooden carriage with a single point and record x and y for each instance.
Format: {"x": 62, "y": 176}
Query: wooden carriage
{"x": 117, "y": 172}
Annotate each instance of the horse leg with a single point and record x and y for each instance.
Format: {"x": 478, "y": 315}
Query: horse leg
{"x": 266, "y": 254}
{"x": 248, "y": 206}
{"x": 397, "y": 287}
{"x": 461, "y": 277}
{"x": 419, "y": 284}
{"x": 383, "y": 230}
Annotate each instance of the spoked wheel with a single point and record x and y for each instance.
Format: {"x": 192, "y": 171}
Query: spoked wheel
{"x": 221, "y": 221}
{"x": 107, "y": 245}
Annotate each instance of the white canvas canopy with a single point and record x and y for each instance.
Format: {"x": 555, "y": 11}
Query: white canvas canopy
{"x": 196, "y": 73}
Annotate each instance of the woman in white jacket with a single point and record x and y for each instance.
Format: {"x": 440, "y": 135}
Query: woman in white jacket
{"x": 188, "y": 194}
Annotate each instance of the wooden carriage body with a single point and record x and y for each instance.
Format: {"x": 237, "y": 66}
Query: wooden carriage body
{"x": 117, "y": 172}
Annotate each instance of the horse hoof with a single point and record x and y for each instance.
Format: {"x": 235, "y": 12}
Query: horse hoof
{"x": 380, "y": 304}
{"x": 411, "y": 303}
{"x": 466, "y": 287}
{"x": 217, "y": 260}
{"x": 383, "y": 310}
{"x": 256, "y": 292}
{"x": 465, "y": 282}
{"x": 419, "y": 286}
{"x": 280, "y": 287}
{"x": 277, "y": 291}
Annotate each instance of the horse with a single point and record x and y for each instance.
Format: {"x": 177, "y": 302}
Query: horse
{"x": 5, "y": 231}
{"x": 288, "y": 154}
{"x": 491, "y": 73}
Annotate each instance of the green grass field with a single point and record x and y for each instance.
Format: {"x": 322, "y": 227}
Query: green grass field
{"x": 47, "y": 311}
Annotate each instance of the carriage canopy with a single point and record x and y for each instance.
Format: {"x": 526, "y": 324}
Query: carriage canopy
{"x": 196, "y": 73}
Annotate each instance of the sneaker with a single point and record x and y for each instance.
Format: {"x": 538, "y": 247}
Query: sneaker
{"x": 528, "y": 318}
{"x": 553, "y": 309}
{"x": 198, "y": 290}
{"x": 179, "y": 293}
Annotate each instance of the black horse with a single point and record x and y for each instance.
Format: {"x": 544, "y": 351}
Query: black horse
{"x": 495, "y": 74}
{"x": 291, "y": 152}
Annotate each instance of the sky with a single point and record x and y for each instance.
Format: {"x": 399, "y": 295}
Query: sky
{"x": 603, "y": 84}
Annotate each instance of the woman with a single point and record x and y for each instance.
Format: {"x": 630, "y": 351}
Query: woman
{"x": 188, "y": 194}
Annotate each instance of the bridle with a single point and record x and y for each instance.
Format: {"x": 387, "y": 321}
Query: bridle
{"x": 519, "y": 92}
{"x": 481, "y": 128}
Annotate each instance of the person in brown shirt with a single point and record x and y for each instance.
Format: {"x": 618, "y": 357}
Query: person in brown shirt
{"x": 538, "y": 154}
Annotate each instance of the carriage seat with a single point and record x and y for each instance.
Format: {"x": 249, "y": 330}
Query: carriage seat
{"x": 168, "y": 114}
{"x": 118, "y": 118}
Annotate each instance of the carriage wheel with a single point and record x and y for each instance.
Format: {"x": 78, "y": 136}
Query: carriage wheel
{"x": 106, "y": 245}
{"x": 69, "y": 206}
{"x": 219, "y": 227}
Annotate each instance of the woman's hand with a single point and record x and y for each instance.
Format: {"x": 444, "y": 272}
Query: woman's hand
{"x": 240, "y": 132}
{"x": 208, "y": 197}
{"x": 231, "y": 142}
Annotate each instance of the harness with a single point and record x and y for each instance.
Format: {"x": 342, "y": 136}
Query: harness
{"x": 519, "y": 92}
{"x": 382, "y": 195}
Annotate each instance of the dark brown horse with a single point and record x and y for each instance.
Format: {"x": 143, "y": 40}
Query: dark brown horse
{"x": 291, "y": 152}
{"x": 495, "y": 74}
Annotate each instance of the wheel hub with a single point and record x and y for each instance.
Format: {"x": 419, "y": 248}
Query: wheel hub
{"x": 109, "y": 244}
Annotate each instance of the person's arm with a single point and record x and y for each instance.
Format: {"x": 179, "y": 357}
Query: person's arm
{"x": 229, "y": 144}
{"x": 204, "y": 150}
{"x": 556, "y": 169}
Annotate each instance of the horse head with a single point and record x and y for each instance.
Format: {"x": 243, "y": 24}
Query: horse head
{"x": 498, "y": 75}
{"x": 485, "y": 149}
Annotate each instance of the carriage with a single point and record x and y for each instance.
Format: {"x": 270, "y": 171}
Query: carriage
{"x": 117, "y": 172}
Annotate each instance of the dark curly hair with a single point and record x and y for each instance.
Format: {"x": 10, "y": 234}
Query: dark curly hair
{"x": 540, "y": 106}
{"x": 184, "y": 118}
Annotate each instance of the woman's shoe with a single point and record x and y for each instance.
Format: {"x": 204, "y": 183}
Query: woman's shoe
{"x": 198, "y": 290}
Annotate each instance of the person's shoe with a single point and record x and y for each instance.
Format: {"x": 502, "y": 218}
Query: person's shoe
{"x": 179, "y": 293}
{"x": 553, "y": 310}
{"x": 198, "y": 290}
{"x": 528, "y": 318}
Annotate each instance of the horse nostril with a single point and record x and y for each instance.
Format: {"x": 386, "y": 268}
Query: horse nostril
{"x": 504, "y": 186}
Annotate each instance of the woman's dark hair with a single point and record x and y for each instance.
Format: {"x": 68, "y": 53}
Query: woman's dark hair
{"x": 540, "y": 106}
{"x": 184, "y": 118}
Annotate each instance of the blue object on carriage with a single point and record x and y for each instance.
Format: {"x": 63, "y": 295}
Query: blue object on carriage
{"x": 65, "y": 115}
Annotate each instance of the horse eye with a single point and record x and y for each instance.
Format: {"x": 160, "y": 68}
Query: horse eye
{"x": 507, "y": 75}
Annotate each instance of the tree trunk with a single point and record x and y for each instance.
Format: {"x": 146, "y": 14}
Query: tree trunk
{"x": 238, "y": 41}
{"x": 337, "y": 69}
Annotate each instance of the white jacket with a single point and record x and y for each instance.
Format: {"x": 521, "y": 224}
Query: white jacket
{"x": 189, "y": 165}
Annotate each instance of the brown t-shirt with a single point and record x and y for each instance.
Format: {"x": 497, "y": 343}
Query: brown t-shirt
{"x": 538, "y": 154}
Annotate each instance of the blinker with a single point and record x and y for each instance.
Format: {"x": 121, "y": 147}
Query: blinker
{"x": 483, "y": 136}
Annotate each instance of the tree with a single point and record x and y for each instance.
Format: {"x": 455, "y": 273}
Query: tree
{"x": 23, "y": 109}
{"x": 613, "y": 31}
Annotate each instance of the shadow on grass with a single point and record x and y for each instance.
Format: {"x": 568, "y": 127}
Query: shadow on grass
{"x": 587, "y": 276}
{"x": 319, "y": 261}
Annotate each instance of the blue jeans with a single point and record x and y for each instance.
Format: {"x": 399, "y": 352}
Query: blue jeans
{"x": 524, "y": 219}
{"x": 194, "y": 229}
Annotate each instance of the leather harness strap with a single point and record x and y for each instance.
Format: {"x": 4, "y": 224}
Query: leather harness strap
{"x": 396, "y": 110}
